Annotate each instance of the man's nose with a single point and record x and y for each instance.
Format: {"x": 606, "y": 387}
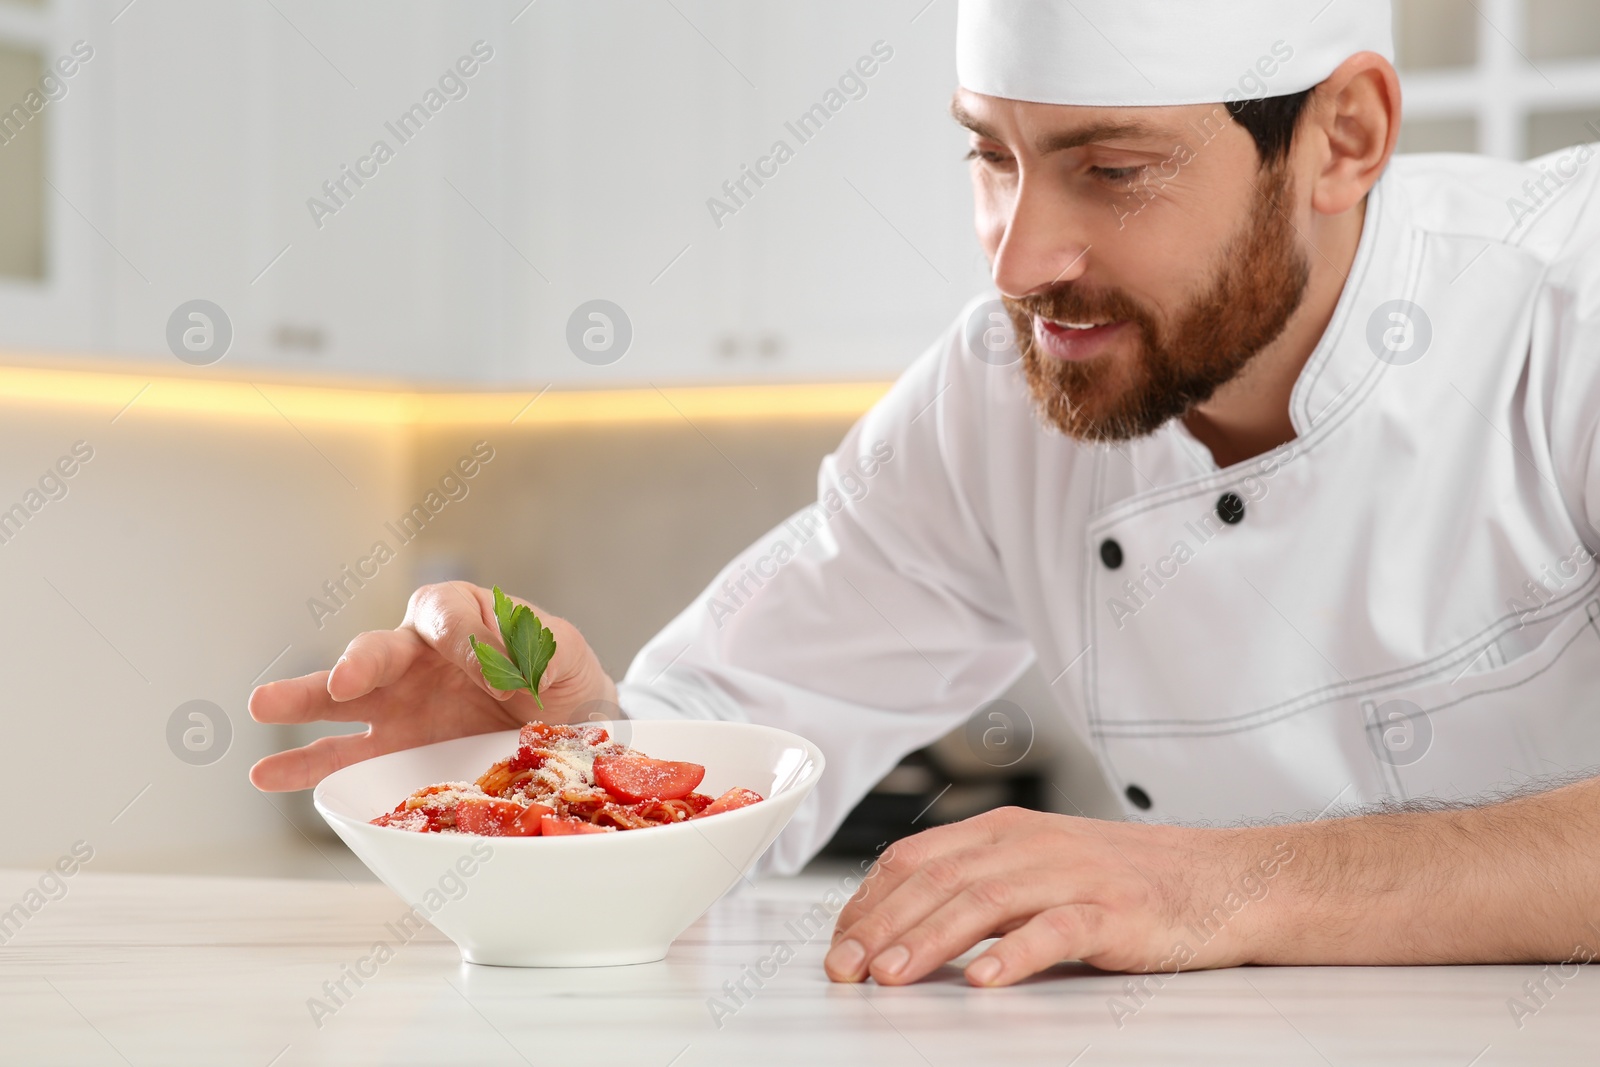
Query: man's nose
{"x": 1043, "y": 243}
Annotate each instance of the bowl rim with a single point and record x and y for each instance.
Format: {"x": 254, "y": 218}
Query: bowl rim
{"x": 802, "y": 785}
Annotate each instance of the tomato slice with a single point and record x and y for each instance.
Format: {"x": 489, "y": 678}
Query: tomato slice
{"x": 737, "y": 797}
{"x": 491, "y": 818}
{"x": 399, "y": 819}
{"x": 557, "y": 826}
{"x": 636, "y": 778}
{"x": 529, "y": 822}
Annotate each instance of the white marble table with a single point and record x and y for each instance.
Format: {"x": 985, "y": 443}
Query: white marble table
{"x": 142, "y": 969}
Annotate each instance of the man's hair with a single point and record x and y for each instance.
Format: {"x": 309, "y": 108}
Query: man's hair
{"x": 1271, "y": 121}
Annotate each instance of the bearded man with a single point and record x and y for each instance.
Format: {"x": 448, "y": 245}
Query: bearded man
{"x": 1276, "y": 453}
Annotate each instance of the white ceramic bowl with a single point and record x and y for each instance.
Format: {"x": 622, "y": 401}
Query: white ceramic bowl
{"x": 585, "y": 900}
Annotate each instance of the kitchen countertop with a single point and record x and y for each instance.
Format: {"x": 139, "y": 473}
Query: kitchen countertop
{"x": 170, "y": 970}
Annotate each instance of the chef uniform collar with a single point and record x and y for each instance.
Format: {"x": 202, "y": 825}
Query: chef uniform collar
{"x": 1344, "y": 366}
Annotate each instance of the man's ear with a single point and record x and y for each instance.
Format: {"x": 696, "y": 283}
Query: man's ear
{"x": 1350, "y": 131}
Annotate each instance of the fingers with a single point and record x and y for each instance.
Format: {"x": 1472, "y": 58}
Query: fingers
{"x": 905, "y": 858}
{"x": 295, "y": 700}
{"x": 1064, "y": 932}
{"x": 403, "y": 680}
{"x": 302, "y": 768}
{"x": 373, "y": 660}
{"x": 948, "y": 905}
{"x": 977, "y": 911}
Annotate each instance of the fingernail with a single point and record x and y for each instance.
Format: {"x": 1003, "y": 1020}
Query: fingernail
{"x": 984, "y": 970}
{"x": 892, "y": 961}
{"x": 845, "y": 958}
{"x": 334, "y": 670}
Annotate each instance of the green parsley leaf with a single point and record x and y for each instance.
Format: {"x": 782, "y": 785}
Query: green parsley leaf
{"x": 543, "y": 652}
{"x": 503, "y": 609}
{"x": 529, "y": 642}
{"x": 497, "y": 670}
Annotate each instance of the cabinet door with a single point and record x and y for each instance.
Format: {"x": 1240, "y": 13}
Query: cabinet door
{"x": 383, "y": 187}
{"x": 623, "y": 112}
{"x": 678, "y": 165}
{"x": 240, "y": 134}
{"x": 861, "y": 248}
{"x": 55, "y": 262}
{"x": 182, "y": 128}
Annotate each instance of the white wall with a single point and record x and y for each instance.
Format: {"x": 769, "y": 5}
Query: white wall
{"x": 176, "y": 567}
{"x": 179, "y": 562}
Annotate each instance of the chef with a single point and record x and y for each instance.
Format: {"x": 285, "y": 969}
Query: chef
{"x": 1276, "y": 453}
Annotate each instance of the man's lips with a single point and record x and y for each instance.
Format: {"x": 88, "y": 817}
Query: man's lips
{"x": 1070, "y": 341}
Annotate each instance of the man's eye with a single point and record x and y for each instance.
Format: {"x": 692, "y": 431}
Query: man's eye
{"x": 987, "y": 157}
{"x": 1116, "y": 175}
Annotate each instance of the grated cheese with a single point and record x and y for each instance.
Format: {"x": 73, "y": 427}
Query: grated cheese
{"x": 568, "y": 767}
{"x": 443, "y": 797}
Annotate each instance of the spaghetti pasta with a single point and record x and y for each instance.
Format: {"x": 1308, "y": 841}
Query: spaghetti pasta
{"x": 564, "y": 780}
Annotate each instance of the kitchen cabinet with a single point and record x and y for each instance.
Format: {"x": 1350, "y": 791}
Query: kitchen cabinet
{"x": 230, "y": 152}
{"x": 761, "y": 207}
{"x": 861, "y": 247}
{"x": 238, "y": 136}
{"x": 55, "y": 285}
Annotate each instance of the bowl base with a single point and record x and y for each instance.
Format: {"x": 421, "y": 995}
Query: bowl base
{"x": 586, "y": 958}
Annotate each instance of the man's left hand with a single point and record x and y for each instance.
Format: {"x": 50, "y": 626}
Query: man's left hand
{"x": 1118, "y": 896}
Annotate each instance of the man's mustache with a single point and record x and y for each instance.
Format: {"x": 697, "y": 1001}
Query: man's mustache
{"x": 1071, "y": 304}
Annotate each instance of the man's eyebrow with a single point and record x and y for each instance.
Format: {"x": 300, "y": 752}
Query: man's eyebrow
{"x": 1064, "y": 139}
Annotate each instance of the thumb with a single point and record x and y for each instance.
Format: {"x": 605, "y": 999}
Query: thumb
{"x": 447, "y": 616}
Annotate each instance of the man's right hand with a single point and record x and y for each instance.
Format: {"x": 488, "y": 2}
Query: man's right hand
{"x": 420, "y": 683}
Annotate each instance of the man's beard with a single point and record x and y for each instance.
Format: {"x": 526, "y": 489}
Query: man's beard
{"x": 1260, "y": 282}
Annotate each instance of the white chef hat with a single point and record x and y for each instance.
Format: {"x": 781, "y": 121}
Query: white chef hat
{"x": 1126, "y": 53}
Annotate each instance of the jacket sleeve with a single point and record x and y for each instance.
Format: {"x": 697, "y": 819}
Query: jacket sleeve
{"x": 871, "y": 622}
{"x": 1562, "y": 382}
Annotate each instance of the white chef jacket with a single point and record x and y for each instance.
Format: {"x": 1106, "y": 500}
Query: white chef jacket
{"x": 1406, "y": 607}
